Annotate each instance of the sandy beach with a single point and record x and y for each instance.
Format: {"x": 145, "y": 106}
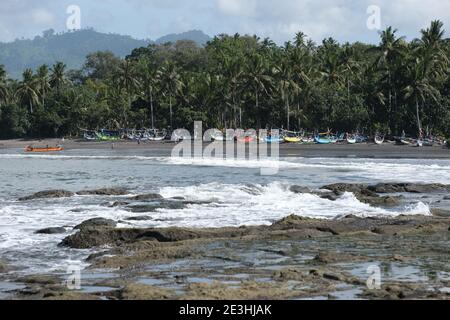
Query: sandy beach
{"x": 363, "y": 150}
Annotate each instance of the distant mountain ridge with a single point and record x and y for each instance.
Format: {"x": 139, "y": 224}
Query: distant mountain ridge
{"x": 73, "y": 47}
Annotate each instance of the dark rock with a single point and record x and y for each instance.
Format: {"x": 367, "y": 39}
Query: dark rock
{"x": 3, "y": 267}
{"x": 139, "y": 218}
{"x": 104, "y": 192}
{"x": 440, "y": 213}
{"x": 299, "y": 189}
{"x": 54, "y": 230}
{"x": 160, "y": 205}
{"x": 446, "y": 198}
{"x": 409, "y": 187}
{"x": 146, "y": 197}
{"x": 49, "y": 194}
{"x": 118, "y": 204}
{"x": 95, "y": 223}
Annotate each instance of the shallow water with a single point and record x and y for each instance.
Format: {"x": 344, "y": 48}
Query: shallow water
{"x": 216, "y": 193}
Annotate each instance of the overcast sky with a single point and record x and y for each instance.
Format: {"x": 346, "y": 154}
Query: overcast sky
{"x": 345, "y": 20}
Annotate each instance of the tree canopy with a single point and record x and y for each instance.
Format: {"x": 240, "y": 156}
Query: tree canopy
{"x": 241, "y": 81}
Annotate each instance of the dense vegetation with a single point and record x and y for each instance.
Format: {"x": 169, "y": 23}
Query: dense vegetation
{"x": 241, "y": 81}
{"x": 72, "y": 48}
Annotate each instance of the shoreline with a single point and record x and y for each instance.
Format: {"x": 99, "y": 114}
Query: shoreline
{"x": 363, "y": 150}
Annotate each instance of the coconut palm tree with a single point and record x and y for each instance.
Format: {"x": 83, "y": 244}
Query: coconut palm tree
{"x": 43, "y": 82}
{"x": 149, "y": 81}
{"x": 170, "y": 83}
{"x": 127, "y": 80}
{"x": 258, "y": 79}
{"x": 285, "y": 83}
{"x": 58, "y": 77}
{"x": 27, "y": 90}
{"x": 4, "y": 88}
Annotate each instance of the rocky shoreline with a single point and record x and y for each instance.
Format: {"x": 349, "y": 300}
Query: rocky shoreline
{"x": 293, "y": 258}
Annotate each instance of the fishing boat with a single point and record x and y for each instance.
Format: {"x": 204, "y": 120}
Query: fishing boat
{"x": 291, "y": 137}
{"x": 351, "y": 139}
{"x": 44, "y": 149}
{"x": 274, "y": 139}
{"x": 402, "y": 142}
{"x": 325, "y": 138}
{"x": 379, "y": 140}
{"x": 90, "y": 136}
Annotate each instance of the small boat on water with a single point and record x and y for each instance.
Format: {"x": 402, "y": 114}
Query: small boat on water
{"x": 44, "y": 149}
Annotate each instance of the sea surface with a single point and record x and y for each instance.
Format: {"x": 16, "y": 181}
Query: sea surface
{"x": 215, "y": 193}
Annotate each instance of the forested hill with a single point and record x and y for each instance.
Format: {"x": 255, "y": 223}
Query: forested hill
{"x": 73, "y": 47}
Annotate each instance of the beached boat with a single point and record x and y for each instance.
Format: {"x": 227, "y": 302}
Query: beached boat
{"x": 379, "y": 140}
{"x": 44, "y": 149}
{"x": 402, "y": 142}
{"x": 90, "y": 136}
{"x": 351, "y": 139}
{"x": 275, "y": 139}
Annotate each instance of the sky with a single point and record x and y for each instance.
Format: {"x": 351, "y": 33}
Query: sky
{"x": 344, "y": 20}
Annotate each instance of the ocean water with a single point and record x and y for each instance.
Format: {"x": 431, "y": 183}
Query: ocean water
{"x": 215, "y": 193}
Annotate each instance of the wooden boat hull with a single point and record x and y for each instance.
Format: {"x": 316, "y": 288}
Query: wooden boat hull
{"x": 292, "y": 139}
{"x": 55, "y": 149}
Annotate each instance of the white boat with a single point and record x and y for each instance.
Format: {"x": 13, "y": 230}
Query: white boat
{"x": 351, "y": 139}
{"x": 379, "y": 140}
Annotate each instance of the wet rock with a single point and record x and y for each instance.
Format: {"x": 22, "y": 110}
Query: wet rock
{"x": 95, "y": 223}
{"x": 49, "y": 194}
{"x": 104, "y": 192}
{"x": 289, "y": 274}
{"x": 409, "y": 187}
{"x": 3, "y": 267}
{"x": 53, "y": 230}
{"x": 135, "y": 291}
{"x": 299, "y": 189}
{"x": 40, "y": 279}
{"x": 139, "y": 218}
{"x": 98, "y": 236}
{"x": 173, "y": 205}
{"x": 381, "y": 201}
{"x": 147, "y": 197}
{"x": 118, "y": 204}
{"x": 446, "y": 198}
{"x": 440, "y": 213}
{"x": 400, "y": 258}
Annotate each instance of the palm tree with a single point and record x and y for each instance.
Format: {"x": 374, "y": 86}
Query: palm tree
{"x": 286, "y": 85}
{"x": 258, "y": 79}
{"x": 170, "y": 84}
{"x": 127, "y": 80}
{"x": 43, "y": 82}
{"x": 58, "y": 76}
{"x": 4, "y": 90}
{"x": 419, "y": 88}
{"x": 27, "y": 89}
{"x": 148, "y": 81}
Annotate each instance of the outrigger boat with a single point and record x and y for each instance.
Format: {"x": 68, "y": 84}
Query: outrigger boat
{"x": 292, "y": 137}
{"x": 324, "y": 138}
{"x": 44, "y": 149}
{"x": 351, "y": 139}
{"x": 379, "y": 140}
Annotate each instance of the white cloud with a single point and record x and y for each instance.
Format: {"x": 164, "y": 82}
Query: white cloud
{"x": 42, "y": 16}
{"x": 237, "y": 7}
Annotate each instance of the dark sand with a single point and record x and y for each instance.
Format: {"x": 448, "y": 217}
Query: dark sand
{"x": 363, "y": 150}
